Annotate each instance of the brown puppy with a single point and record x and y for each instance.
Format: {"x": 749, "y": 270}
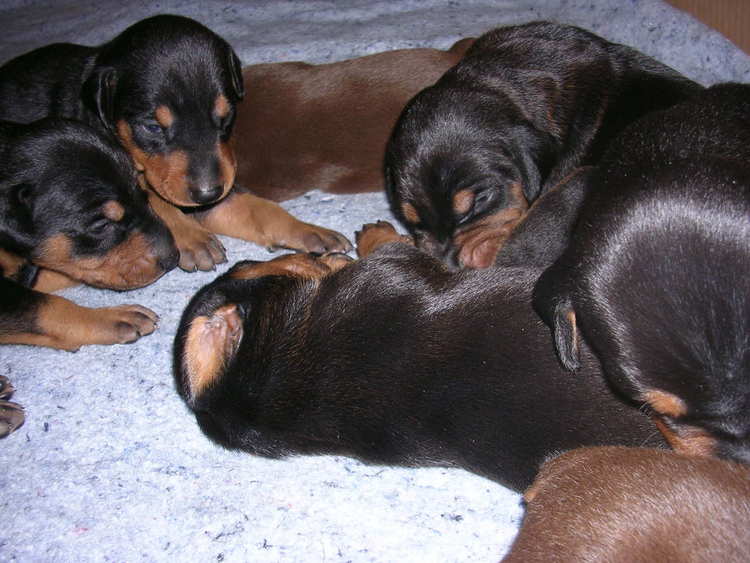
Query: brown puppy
{"x": 303, "y": 126}
{"x": 523, "y": 109}
{"x": 635, "y": 505}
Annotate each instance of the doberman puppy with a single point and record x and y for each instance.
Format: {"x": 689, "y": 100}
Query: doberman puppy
{"x": 523, "y": 109}
{"x": 392, "y": 359}
{"x": 635, "y": 505}
{"x": 167, "y": 89}
{"x": 656, "y": 277}
{"x": 325, "y": 127}
{"x": 70, "y": 202}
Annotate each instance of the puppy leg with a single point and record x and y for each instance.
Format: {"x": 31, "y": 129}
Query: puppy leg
{"x": 31, "y": 317}
{"x": 374, "y": 235}
{"x": 199, "y": 249}
{"x": 248, "y": 217}
{"x": 50, "y": 281}
{"x": 11, "y": 414}
{"x": 305, "y": 266}
{"x": 16, "y": 268}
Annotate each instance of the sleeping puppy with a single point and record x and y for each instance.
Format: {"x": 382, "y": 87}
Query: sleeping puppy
{"x": 166, "y": 89}
{"x": 304, "y": 126}
{"x": 635, "y": 505}
{"x": 657, "y": 276}
{"x": 391, "y": 359}
{"x": 523, "y": 109}
{"x": 69, "y": 202}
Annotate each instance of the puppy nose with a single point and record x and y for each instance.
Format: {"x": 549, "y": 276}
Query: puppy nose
{"x": 206, "y": 194}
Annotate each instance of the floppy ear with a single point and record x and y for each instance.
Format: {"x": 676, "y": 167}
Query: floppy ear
{"x": 210, "y": 343}
{"x": 235, "y": 75}
{"x": 17, "y": 232}
{"x": 554, "y": 305}
{"x": 531, "y": 178}
{"x": 98, "y": 94}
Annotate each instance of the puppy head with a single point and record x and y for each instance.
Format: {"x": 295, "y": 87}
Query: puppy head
{"x": 70, "y": 202}
{"x": 461, "y": 169}
{"x": 167, "y": 87}
{"x": 236, "y": 312}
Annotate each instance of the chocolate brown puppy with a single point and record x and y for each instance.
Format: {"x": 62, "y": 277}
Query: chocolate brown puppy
{"x": 656, "y": 278}
{"x": 303, "y": 126}
{"x": 166, "y": 89}
{"x": 635, "y": 505}
{"x": 524, "y": 108}
{"x": 392, "y": 359}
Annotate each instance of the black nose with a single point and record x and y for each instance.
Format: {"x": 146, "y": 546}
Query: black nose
{"x": 206, "y": 194}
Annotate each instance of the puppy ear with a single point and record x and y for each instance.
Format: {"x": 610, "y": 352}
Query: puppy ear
{"x": 555, "y": 307}
{"x": 532, "y": 180}
{"x": 21, "y": 201}
{"x": 235, "y": 75}
{"x": 565, "y": 334}
{"x": 210, "y": 343}
{"x": 98, "y": 95}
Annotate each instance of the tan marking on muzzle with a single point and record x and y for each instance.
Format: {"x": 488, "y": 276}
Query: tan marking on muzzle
{"x": 227, "y": 166}
{"x": 480, "y": 241}
{"x": 165, "y": 173}
{"x": 210, "y": 343}
{"x": 129, "y": 265}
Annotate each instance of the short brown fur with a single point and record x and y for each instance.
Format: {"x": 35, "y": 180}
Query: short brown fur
{"x": 325, "y": 127}
{"x": 635, "y": 505}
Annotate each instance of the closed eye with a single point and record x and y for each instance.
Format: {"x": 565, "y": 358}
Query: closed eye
{"x": 483, "y": 200}
{"x": 99, "y": 227}
{"x": 152, "y": 128}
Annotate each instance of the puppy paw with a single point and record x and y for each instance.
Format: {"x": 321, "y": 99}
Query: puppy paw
{"x": 199, "y": 249}
{"x": 11, "y": 414}
{"x": 316, "y": 240}
{"x": 121, "y": 324}
{"x": 127, "y": 323}
{"x": 374, "y": 235}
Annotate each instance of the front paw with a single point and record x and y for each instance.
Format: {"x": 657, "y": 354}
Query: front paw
{"x": 316, "y": 240}
{"x": 122, "y": 324}
{"x": 374, "y": 235}
{"x": 199, "y": 249}
{"x": 11, "y": 414}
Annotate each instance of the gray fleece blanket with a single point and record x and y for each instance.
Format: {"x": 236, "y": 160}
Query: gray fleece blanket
{"x": 111, "y": 467}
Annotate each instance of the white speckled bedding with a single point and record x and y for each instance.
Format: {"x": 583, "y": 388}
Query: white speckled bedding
{"x": 111, "y": 467}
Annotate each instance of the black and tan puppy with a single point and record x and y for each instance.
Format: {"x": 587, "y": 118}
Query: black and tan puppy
{"x": 635, "y": 505}
{"x": 70, "y": 202}
{"x": 524, "y": 108}
{"x": 392, "y": 359}
{"x": 657, "y": 276}
{"x": 166, "y": 88}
